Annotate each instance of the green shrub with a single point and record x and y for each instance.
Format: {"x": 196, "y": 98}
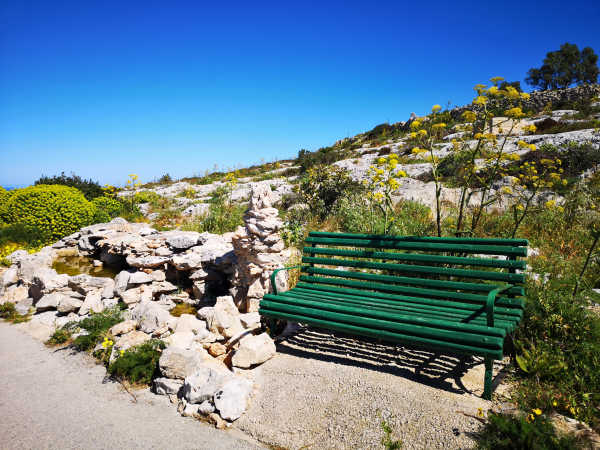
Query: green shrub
{"x": 94, "y": 327}
{"x": 324, "y": 187}
{"x": 145, "y": 197}
{"x": 551, "y": 126}
{"x": 59, "y": 337}
{"x": 110, "y": 206}
{"x": 524, "y": 432}
{"x": 56, "y": 210}
{"x": 4, "y": 197}
{"x": 139, "y": 364}
{"x": 24, "y": 236}
{"x": 323, "y": 156}
{"x": 90, "y": 189}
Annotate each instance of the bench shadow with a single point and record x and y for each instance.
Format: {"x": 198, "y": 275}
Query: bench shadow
{"x": 428, "y": 367}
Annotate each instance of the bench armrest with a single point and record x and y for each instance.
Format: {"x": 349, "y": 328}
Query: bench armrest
{"x": 491, "y": 300}
{"x": 274, "y": 274}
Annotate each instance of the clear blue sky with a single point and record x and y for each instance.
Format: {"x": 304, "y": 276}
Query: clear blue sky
{"x": 108, "y": 88}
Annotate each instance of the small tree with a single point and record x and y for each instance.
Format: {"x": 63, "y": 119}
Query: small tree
{"x": 565, "y": 67}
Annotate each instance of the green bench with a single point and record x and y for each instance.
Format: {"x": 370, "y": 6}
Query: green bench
{"x": 447, "y": 294}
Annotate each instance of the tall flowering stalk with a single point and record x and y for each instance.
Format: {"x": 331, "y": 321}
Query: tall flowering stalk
{"x": 131, "y": 185}
{"x": 382, "y": 181}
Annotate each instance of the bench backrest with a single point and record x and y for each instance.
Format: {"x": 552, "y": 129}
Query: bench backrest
{"x": 442, "y": 269}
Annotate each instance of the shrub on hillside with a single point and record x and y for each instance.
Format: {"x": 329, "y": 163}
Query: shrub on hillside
{"x": 110, "y": 206}
{"x": 90, "y": 189}
{"x": 323, "y": 156}
{"x": 55, "y": 210}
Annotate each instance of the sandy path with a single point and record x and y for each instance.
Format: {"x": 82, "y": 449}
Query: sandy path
{"x": 60, "y": 399}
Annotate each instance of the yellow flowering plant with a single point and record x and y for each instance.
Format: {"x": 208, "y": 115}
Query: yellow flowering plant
{"x": 382, "y": 181}
{"x": 482, "y": 153}
{"x": 532, "y": 180}
{"x": 131, "y": 185}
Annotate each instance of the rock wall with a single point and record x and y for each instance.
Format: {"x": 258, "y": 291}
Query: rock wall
{"x": 259, "y": 250}
{"x": 538, "y": 100}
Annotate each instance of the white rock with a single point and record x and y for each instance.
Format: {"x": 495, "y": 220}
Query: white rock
{"x": 47, "y": 318}
{"x": 183, "y": 242}
{"x": 182, "y": 339}
{"x": 249, "y": 319}
{"x": 226, "y": 305}
{"x": 158, "y": 275}
{"x": 14, "y": 294}
{"x": 166, "y": 386}
{"x": 225, "y": 324}
{"x": 179, "y": 363}
{"x": 206, "y": 408}
{"x": 254, "y": 350}
{"x": 202, "y": 384}
{"x": 140, "y": 278}
{"x": 10, "y": 276}
{"x": 109, "y": 289}
{"x": 147, "y": 262}
{"x": 37, "y": 330}
{"x": 108, "y": 302}
{"x": 187, "y": 322}
{"x": 186, "y": 261}
{"x": 131, "y": 339}
{"x": 69, "y": 304}
{"x": 23, "y": 306}
{"x": 123, "y": 327}
{"x": 231, "y": 399}
{"x": 92, "y": 302}
{"x": 151, "y": 317}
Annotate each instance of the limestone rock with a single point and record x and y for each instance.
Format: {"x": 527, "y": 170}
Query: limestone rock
{"x": 254, "y": 350}
{"x": 131, "y": 339}
{"x": 181, "y": 339}
{"x": 92, "y": 302}
{"x": 226, "y": 305}
{"x": 14, "y": 294}
{"x": 223, "y": 323}
{"x": 186, "y": 261}
{"x": 206, "y": 408}
{"x": 147, "y": 262}
{"x": 183, "y": 242}
{"x": 10, "y": 276}
{"x": 249, "y": 319}
{"x": 49, "y": 301}
{"x": 187, "y": 322}
{"x": 69, "y": 304}
{"x": 202, "y": 384}
{"x": 123, "y": 327}
{"x": 179, "y": 363}
{"x": 140, "y": 278}
{"x": 151, "y": 317}
{"x": 166, "y": 386}
{"x": 231, "y": 399}
{"x": 23, "y": 306}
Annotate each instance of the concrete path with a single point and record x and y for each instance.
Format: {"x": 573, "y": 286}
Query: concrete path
{"x": 60, "y": 399}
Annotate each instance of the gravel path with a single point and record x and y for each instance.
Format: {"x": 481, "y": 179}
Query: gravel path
{"x": 325, "y": 389}
{"x": 57, "y": 399}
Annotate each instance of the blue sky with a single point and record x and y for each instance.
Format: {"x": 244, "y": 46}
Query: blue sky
{"x": 109, "y": 88}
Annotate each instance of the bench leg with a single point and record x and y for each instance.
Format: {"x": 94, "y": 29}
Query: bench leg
{"x": 272, "y": 325}
{"x": 487, "y": 383}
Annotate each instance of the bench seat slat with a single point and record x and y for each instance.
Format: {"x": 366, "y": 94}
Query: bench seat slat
{"x": 417, "y": 310}
{"x": 448, "y": 240}
{"x": 416, "y": 257}
{"x": 391, "y": 316}
{"x": 406, "y": 281}
{"x": 421, "y": 246}
{"x": 452, "y": 336}
{"x": 383, "y": 334}
{"x": 384, "y": 291}
{"x": 426, "y": 270}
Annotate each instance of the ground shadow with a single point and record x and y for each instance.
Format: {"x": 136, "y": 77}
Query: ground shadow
{"x": 441, "y": 370}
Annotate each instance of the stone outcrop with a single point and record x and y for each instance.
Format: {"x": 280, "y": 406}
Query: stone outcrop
{"x": 259, "y": 250}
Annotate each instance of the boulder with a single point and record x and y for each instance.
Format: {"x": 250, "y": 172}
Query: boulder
{"x": 56, "y": 283}
{"x": 166, "y": 386}
{"x": 69, "y": 304}
{"x": 80, "y": 282}
{"x": 187, "y": 322}
{"x": 23, "y": 306}
{"x": 206, "y": 408}
{"x": 130, "y": 340}
{"x": 183, "y": 242}
{"x": 140, "y": 278}
{"x": 202, "y": 384}
{"x": 10, "y": 276}
{"x": 92, "y": 302}
{"x": 158, "y": 275}
{"x": 49, "y": 301}
{"x": 224, "y": 324}
{"x": 123, "y": 327}
{"x": 179, "y": 363}
{"x": 109, "y": 289}
{"x": 152, "y": 317}
{"x": 226, "y": 305}
{"x": 231, "y": 399}
{"x": 121, "y": 282}
{"x": 147, "y": 262}
{"x": 186, "y": 261}
{"x": 14, "y": 294}
{"x": 249, "y": 319}
{"x": 254, "y": 350}
{"x": 182, "y": 339}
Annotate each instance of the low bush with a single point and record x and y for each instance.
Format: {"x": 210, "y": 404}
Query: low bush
{"x": 551, "y": 126}
{"x": 323, "y": 156}
{"x": 55, "y": 210}
{"x": 139, "y": 364}
{"x": 94, "y": 328}
{"x": 109, "y": 206}
{"x": 527, "y": 432}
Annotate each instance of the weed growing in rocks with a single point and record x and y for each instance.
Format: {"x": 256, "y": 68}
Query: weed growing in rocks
{"x": 9, "y": 313}
{"x": 59, "y": 337}
{"x": 387, "y": 441}
{"x": 92, "y": 329}
{"x": 139, "y": 364}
